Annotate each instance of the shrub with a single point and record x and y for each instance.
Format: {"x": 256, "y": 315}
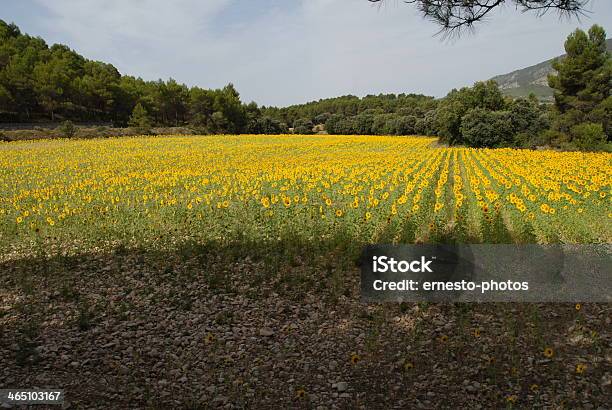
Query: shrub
{"x": 525, "y": 140}
{"x": 552, "y": 138}
{"x": 588, "y": 136}
{"x": 267, "y": 125}
{"x": 302, "y": 126}
{"x": 67, "y": 129}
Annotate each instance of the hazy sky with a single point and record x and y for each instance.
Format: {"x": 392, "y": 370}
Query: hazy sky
{"x": 279, "y": 52}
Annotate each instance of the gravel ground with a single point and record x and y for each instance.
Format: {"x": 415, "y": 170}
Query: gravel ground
{"x": 128, "y": 330}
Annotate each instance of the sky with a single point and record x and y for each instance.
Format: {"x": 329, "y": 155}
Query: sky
{"x": 281, "y": 52}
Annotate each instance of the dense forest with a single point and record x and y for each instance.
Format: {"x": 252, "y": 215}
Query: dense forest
{"x": 39, "y": 83}
{"x": 372, "y": 114}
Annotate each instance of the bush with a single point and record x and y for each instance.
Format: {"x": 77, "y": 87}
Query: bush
{"x": 267, "y": 125}
{"x": 588, "y": 136}
{"x": 67, "y": 129}
{"x": 482, "y": 128}
{"x": 552, "y": 138}
{"x": 302, "y": 126}
{"x": 525, "y": 140}
{"x": 173, "y": 131}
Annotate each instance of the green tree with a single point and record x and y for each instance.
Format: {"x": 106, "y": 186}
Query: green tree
{"x": 363, "y": 123}
{"x": 53, "y": 79}
{"x": 426, "y": 125}
{"x": 303, "y": 126}
{"x": 172, "y": 101}
{"x": 50, "y": 82}
{"x": 201, "y": 106}
{"x": 448, "y": 121}
{"x": 267, "y": 125}
{"x": 332, "y": 125}
{"x": 97, "y": 91}
{"x": 219, "y": 124}
{"x": 140, "y": 119}
{"x": 484, "y": 95}
{"x": 528, "y": 121}
{"x": 321, "y": 118}
{"x": 582, "y": 83}
{"x": 384, "y": 124}
{"x": 253, "y": 115}
{"x": 227, "y": 102}
{"x": 484, "y": 128}
{"x": 405, "y": 125}
{"x": 6, "y": 100}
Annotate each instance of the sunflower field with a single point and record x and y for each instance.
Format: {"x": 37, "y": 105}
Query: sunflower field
{"x": 74, "y": 195}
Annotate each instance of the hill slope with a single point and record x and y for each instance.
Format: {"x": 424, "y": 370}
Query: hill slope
{"x": 533, "y": 79}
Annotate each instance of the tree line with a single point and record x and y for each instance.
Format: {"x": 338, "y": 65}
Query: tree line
{"x": 481, "y": 116}
{"x": 463, "y": 117}
{"x": 41, "y": 83}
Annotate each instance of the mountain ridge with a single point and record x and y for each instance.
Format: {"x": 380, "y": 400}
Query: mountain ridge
{"x": 531, "y": 79}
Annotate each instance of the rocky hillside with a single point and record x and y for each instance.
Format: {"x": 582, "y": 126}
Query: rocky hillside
{"x": 533, "y": 79}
